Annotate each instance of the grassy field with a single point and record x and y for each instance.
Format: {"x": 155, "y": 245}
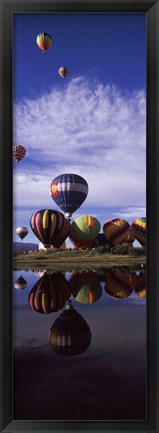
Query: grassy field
{"x": 74, "y": 259}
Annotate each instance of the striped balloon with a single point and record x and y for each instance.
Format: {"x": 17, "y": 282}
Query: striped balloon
{"x": 69, "y": 191}
{"x": 84, "y": 230}
{"x": 21, "y": 232}
{"x": 85, "y": 287}
{"x": 44, "y": 41}
{"x": 50, "y": 227}
{"x": 116, "y": 230}
{"x": 129, "y": 239}
{"x": 70, "y": 334}
{"x": 118, "y": 285}
{"x": 18, "y": 153}
{"x": 49, "y": 294}
{"x": 63, "y": 72}
{"x": 139, "y": 230}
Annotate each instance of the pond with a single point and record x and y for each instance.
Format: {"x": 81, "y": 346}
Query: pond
{"x": 79, "y": 345}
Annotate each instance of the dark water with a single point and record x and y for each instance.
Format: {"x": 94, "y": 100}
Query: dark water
{"x": 96, "y": 373}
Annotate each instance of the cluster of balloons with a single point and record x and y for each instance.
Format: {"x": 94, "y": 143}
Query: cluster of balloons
{"x": 52, "y": 228}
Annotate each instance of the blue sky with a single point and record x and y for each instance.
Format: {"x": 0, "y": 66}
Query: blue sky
{"x": 92, "y": 123}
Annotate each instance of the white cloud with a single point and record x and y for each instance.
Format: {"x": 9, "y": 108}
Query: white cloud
{"x": 89, "y": 129}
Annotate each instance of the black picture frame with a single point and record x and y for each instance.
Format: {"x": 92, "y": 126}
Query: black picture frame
{"x": 151, "y": 9}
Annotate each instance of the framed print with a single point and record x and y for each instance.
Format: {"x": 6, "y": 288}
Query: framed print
{"x": 79, "y": 216}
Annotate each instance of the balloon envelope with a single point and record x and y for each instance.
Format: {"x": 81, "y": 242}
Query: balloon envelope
{"x": 85, "y": 287}
{"x": 44, "y": 41}
{"x": 22, "y": 232}
{"x": 50, "y": 227}
{"x": 50, "y": 293}
{"x": 139, "y": 230}
{"x": 128, "y": 242}
{"x": 118, "y": 285}
{"x": 63, "y": 72}
{"x": 18, "y": 153}
{"x": 84, "y": 230}
{"x": 69, "y": 191}
{"x": 70, "y": 334}
{"x": 116, "y": 230}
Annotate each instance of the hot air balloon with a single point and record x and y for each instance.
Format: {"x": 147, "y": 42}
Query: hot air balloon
{"x": 128, "y": 242}
{"x": 85, "y": 287}
{"x": 20, "y": 283}
{"x": 63, "y": 72}
{"x": 116, "y": 230}
{"x": 50, "y": 293}
{"x": 118, "y": 285}
{"x": 101, "y": 240}
{"x": 69, "y": 191}
{"x": 44, "y": 41}
{"x": 22, "y": 232}
{"x": 50, "y": 227}
{"x": 140, "y": 285}
{"x": 70, "y": 334}
{"x": 18, "y": 153}
{"x": 139, "y": 230}
{"x": 84, "y": 230}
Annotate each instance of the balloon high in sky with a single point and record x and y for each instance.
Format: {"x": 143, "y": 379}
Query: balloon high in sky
{"x": 18, "y": 152}
{"x": 44, "y": 41}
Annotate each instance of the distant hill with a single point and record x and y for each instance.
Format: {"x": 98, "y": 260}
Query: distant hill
{"x": 22, "y": 246}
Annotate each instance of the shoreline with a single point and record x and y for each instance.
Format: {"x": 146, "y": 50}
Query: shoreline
{"x": 62, "y": 262}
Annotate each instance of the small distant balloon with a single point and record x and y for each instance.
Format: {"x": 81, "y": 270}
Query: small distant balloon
{"x": 63, "y": 72}
{"x": 44, "y": 41}
{"x": 22, "y": 232}
{"x": 18, "y": 152}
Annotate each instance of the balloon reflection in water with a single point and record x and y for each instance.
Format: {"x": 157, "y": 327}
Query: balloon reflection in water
{"x": 140, "y": 285}
{"x": 20, "y": 283}
{"x": 116, "y": 230}
{"x": 85, "y": 287}
{"x": 118, "y": 285}
{"x": 70, "y": 334}
{"x": 49, "y": 294}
